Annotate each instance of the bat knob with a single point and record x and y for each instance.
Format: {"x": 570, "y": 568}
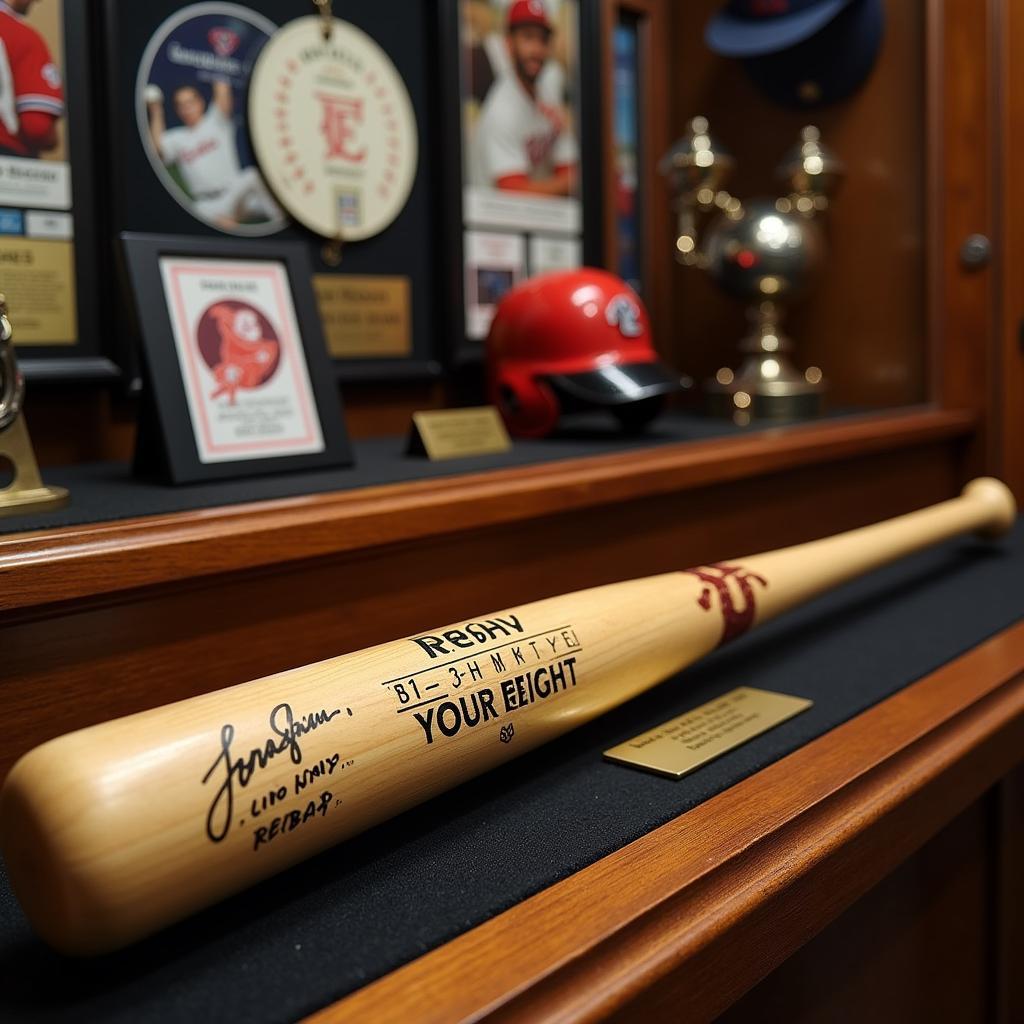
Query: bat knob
{"x": 998, "y": 501}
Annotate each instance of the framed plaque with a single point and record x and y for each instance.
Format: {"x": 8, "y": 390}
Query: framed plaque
{"x": 186, "y": 162}
{"x": 522, "y": 85}
{"x": 235, "y": 363}
{"x": 48, "y": 226}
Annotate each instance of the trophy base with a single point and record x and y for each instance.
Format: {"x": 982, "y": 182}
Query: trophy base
{"x": 767, "y": 386}
{"x": 777, "y": 407}
{"x": 26, "y": 492}
{"x": 32, "y": 499}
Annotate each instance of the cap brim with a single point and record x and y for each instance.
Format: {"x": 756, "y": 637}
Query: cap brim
{"x": 617, "y": 384}
{"x": 732, "y": 36}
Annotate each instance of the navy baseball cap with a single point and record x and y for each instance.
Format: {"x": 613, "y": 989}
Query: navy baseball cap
{"x": 749, "y": 28}
{"x": 827, "y": 66}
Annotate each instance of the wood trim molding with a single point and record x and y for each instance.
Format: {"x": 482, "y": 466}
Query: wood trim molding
{"x": 699, "y": 910}
{"x": 46, "y": 567}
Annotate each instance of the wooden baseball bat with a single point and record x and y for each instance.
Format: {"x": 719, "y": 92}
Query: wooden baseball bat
{"x": 117, "y": 830}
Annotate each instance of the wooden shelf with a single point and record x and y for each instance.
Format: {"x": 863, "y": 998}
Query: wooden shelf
{"x": 696, "y": 912}
{"x": 44, "y": 567}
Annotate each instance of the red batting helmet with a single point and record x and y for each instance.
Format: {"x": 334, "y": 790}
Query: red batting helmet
{"x": 571, "y": 340}
{"x": 528, "y": 12}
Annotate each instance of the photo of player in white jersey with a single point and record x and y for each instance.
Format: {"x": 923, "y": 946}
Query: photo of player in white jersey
{"x": 524, "y": 141}
{"x": 191, "y": 96}
{"x": 204, "y": 151}
{"x": 520, "y": 115}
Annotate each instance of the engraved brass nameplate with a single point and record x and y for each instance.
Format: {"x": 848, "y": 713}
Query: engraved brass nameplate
{"x": 682, "y": 744}
{"x": 365, "y": 317}
{"x": 456, "y": 433}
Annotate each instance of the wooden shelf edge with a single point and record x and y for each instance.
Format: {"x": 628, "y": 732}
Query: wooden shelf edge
{"x": 49, "y": 566}
{"x": 722, "y": 894}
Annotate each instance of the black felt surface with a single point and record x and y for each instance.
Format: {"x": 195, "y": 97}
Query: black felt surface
{"x": 302, "y": 940}
{"x": 104, "y": 491}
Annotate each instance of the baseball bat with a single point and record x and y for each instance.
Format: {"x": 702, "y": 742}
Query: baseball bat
{"x": 115, "y": 831}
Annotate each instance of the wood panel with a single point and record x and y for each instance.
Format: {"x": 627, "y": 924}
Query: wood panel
{"x": 866, "y": 321}
{"x": 60, "y": 565}
{"x": 692, "y": 915}
{"x": 81, "y": 662}
{"x": 917, "y": 947}
{"x": 1010, "y": 249}
{"x": 961, "y": 86}
{"x": 1008, "y": 903}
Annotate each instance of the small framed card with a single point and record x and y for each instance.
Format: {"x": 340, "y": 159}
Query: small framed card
{"x": 238, "y": 378}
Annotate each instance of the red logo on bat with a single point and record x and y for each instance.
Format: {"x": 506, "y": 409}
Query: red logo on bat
{"x": 737, "y": 618}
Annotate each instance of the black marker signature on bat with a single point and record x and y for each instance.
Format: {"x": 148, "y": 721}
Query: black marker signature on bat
{"x": 286, "y": 735}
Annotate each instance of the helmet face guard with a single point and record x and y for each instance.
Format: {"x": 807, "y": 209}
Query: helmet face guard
{"x": 573, "y": 340}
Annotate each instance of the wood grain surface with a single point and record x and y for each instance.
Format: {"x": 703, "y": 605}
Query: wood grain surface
{"x": 43, "y": 567}
{"x": 338, "y": 746}
{"x": 695, "y": 913}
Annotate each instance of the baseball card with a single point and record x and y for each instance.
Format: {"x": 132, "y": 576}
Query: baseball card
{"x": 36, "y": 225}
{"x": 241, "y": 358}
{"x": 495, "y": 262}
{"x": 191, "y": 100}
{"x": 520, "y": 116}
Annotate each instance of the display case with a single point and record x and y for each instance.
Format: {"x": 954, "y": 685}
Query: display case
{"x": 141, "y": 597}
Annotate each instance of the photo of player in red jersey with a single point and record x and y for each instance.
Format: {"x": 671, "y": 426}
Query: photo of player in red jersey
{"x": 31, "y": 86}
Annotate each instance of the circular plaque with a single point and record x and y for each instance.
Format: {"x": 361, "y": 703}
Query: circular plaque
{"x": 333, "y": 128}
{"x": 190, "y": 104}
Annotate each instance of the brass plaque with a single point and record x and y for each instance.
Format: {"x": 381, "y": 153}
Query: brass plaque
{"x": 685, "y": 743}
{"x": 456, "y": 433}
{"x": 39, "y": 281}
{"x": 364, "y": 316}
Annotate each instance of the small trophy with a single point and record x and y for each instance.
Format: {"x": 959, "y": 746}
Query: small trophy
{"x": 26, "y": 492}
{"x": 764, "y": 252}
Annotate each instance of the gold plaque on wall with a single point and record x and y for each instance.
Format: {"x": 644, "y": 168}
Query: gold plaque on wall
{"x": 365, "y": 316}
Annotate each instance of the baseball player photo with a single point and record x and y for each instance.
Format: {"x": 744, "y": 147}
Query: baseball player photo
{"x": 31, "y": 87}
{"x": 519, "y": 75}
{"x": 193, "y": 84}
{"x": 523, "y": 139}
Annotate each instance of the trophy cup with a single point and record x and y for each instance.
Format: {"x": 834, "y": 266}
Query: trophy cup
{"x": 765, "y": 252}
{"x": 26, "y": 492}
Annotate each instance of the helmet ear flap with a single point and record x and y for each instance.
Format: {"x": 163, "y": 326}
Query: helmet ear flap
{"x": 527, "y": 404}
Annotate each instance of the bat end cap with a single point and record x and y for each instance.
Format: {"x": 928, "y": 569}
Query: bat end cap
{"x": 999, "y": 501}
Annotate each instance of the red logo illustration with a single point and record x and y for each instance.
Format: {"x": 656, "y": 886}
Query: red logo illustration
{"x": 716, "y": 578}
{"x": 223, "y": 41}
{"x": 239, "y": 345}
{"x": 340, "y": 115}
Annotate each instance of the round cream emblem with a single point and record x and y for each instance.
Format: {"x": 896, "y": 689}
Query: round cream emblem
{"x": 333, "y": 128}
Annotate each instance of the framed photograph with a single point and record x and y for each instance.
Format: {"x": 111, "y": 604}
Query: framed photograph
{"x": 236, "y": 371}
{"x": 48, "y": 229}
{"x": 183, "y": 162}
{"x": 522, "y": 92}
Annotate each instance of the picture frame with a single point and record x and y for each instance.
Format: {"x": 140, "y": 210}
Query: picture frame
{"x": 236, "y": 378}
{"x": 397, "y": 268}
{"x": 566, "y": 240}
{"x": 81, "y": 349}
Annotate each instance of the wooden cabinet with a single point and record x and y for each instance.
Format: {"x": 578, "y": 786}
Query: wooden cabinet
{"x": 904, "y": 817}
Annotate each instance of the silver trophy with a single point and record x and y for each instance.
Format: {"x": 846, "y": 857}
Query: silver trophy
{"x": 765, "y": 252}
